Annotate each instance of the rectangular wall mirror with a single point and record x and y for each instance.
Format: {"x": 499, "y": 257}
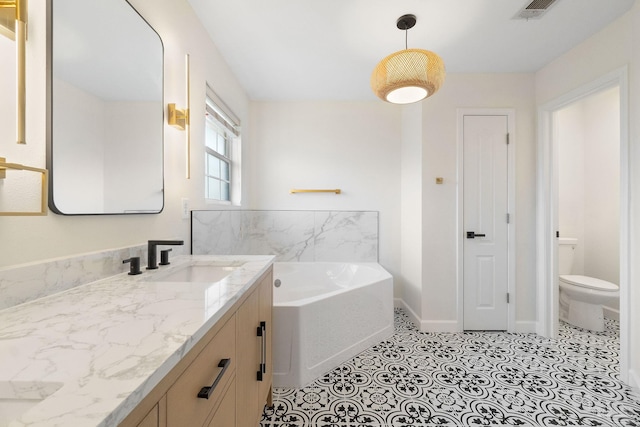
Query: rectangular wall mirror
{"x": 105, "y": 109}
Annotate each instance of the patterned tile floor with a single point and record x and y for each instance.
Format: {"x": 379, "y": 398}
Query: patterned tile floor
{"x": 421, "y": 379}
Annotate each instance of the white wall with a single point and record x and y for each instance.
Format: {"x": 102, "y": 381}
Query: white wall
{"x": 411, "y": 209}
{"x": 589, "y": 182}
{"x": 80, "y": 123}
{"x": 634, "y": 160}
{"x": 606, "y": 51}
{"x": 439, "y": 159}
{"x": 602, "y": 182}
{"x": 39, "y": 238}
{"x": 354, "y": 146}
{"x": 571, "y": 210}
{"x": 129, "y": 133}
{"x": 386, "y": 158}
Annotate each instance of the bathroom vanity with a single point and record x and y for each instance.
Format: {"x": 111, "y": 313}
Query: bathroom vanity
{"x": 139, "y": 350}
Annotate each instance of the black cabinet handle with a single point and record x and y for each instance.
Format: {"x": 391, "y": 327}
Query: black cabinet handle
{"x": 263, "y": 325}
{"x": 262, "y": 333}
{"x": 473, "y": 235}
{"x": 205, "y": 392}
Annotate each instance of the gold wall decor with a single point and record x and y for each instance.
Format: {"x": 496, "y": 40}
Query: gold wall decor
{"x": 180, "y": 118}
{"x": 4, "y": 165}
{"x": 176, "y": 117}
{"x": 13, "y": 24}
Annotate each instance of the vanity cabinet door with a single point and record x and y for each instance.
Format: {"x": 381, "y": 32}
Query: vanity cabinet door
{"x": 184, "y": 407}
{"x": 248, "y": 362}
{"x": 266, "y": 309}
{"x": 254, "y": 377}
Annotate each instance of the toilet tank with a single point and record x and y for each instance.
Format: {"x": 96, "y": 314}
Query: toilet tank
{"x": 566, "y": 249}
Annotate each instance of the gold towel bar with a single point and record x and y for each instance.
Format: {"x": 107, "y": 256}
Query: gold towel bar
{"x": 294, "y": 190}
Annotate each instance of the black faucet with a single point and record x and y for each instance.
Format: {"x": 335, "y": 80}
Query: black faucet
{"x": 152, "y": 256}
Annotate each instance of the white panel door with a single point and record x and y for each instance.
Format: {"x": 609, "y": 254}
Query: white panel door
{"x": 485, "y": 198}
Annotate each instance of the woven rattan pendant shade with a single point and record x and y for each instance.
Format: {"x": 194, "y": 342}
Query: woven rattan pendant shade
{"x": 408, "y": 75}
{"x": 416, "y": 68}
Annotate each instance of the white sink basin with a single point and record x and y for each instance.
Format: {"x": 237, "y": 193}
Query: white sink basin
{"x": 17, "y": 397}
{"x": 198, "y": 273}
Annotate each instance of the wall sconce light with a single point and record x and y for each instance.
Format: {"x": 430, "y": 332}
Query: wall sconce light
{"x": 13, "y": 24}
{"x": 177, "y": 118}
{"x": 180, "y": 118}
{"x": 43, "y": 187}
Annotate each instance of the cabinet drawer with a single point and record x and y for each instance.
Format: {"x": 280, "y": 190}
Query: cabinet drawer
{"x": 151, "y": 420}
{"x": 184, "y": 407}
{"x": 225, "y": 415}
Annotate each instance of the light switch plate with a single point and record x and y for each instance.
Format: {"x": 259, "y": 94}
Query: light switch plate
{"x": 185, "y": 208}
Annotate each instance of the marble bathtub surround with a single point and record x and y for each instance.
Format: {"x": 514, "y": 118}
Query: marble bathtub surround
{"x": 27, "y": 282}
{"x": 100, "y": 348}
{"x": 333, "y": 236}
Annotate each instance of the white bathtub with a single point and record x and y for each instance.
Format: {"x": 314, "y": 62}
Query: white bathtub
{"x": 324, "y": 314}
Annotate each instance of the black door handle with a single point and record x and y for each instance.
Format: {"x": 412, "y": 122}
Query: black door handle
{"x": 473, "y": 235}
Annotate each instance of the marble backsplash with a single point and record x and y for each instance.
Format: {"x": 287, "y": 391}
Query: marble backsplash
{"x": 289, "y": 235}
{"x": 334, "y": 236}
{"x": 26, "y": 282}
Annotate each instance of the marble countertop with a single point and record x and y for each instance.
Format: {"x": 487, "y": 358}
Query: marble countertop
{"x": 96, "y": 350}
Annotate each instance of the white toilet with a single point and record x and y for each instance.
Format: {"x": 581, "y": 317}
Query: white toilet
{"x": 583, "y": 299}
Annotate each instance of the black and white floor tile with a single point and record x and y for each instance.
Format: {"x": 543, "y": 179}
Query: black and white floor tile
{"x": 418, "y": 379}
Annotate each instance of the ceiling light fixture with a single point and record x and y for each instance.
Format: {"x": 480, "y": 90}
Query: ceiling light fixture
{"x": 409, "y": 75}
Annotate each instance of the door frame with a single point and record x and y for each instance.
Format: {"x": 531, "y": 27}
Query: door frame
{"x": 547, "y": 212}
{"x": 511, "y": 203}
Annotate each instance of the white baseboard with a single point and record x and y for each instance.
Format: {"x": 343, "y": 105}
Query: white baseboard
{"x": 440, "y": 326}
{"x": 522, "y": 327}
{"x": 525, "y": 327}
{"x": 611, "y": 313}
{"x": 427, "y": 325}
{"x": 399, "y": 303}
{"x": 634, "y": 380}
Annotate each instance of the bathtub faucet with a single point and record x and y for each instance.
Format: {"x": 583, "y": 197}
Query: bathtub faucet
{"x": 152, "y": 255}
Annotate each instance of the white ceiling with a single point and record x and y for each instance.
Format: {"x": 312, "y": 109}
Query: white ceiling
{"x": 327, "y": 49}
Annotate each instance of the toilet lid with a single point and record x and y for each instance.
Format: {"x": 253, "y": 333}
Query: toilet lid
{"x": 589, "y": 282}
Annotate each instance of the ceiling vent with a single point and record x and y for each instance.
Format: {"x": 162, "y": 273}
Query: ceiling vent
{"x": 535, "y": 10}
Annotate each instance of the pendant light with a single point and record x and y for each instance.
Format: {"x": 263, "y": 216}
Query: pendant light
{"x": 409, "y": 75}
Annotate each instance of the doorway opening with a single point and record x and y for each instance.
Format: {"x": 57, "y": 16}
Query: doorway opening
{"x": 549, "y": 223}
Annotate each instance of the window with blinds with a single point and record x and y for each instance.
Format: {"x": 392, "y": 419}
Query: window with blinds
{"x": 222, "y": 135}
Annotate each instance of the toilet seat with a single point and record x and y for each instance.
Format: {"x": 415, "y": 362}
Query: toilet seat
{"x": 589, "y": 282}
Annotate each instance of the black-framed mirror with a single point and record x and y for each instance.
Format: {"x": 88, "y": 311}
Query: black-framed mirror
{"x": 105, "y": 109}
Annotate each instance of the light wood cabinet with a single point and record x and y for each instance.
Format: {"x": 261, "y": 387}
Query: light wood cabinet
{"x": 226, "y": 414}
{"x": 243, "y": 337}
{"x": 254, "y": 377}
{"x": 151, "y": 420}
{"x": 212, "y": 370}
{"x": 266, "y": 310}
